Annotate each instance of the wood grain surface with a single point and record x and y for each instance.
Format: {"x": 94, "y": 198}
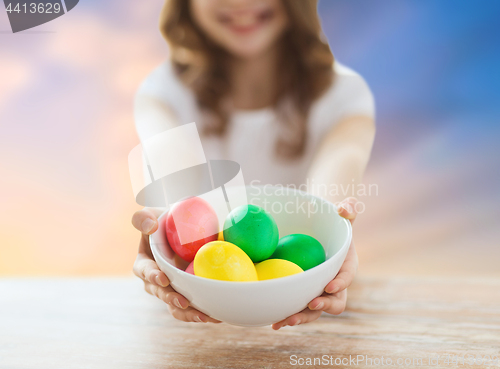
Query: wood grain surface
{"x": 113, "y": 323}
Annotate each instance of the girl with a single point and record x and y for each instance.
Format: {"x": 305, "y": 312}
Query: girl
{"x": 263, "y": 87}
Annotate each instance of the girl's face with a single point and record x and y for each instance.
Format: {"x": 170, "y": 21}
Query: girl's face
{"x": 244, "y": 28}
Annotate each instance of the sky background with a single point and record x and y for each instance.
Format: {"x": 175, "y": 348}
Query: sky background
{"x": 66, "y": 128}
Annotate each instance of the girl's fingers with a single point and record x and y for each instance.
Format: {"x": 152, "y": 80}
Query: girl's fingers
{"x": 332, "y": 304}
{"x": 178, "y": 304}
{"x": 145, "y": 221}
{"x": 198, "y": 317}
{"x": 162, "y": 279}
{"x": 191, "y": 315}
{"x": 156, "y": 282}
{"x": 186, "y": 315}
{"x": 346, "y": 273}
{"x": 347, "y": 208}
{"x": 305, "y": 316}
{"x": 167, "y": 295}
{"x": 147, "y": 269}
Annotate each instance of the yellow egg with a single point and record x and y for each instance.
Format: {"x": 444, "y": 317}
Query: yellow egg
{"x": 224, "y": 261}
{"x": 221, "y": 236}
{"x": 276, "y": 268}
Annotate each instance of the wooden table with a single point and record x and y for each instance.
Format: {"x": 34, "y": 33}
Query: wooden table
{"x": 112, "y": 323}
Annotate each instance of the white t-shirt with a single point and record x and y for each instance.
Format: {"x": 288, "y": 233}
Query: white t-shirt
{"x": 252, "y": 134}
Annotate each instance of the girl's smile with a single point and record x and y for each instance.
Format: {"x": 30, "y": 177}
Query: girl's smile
{"x": 243, "y": 28}
{"x": 245, "y": 21}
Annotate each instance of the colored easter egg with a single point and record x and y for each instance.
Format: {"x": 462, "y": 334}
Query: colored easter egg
{"x": 276, "y": 268}
{"x": 301, "y": 249}
{"x": 221, "y": 236}
{"x": 224, "y": 261}
{"x": 252, "y": 229}
{"x": 190, "y": 268}
{"x": 190, "y": 224}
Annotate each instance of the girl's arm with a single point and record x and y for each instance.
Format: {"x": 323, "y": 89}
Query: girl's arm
{"x": 340, "y": 161}
{"x": 152, "y": 117}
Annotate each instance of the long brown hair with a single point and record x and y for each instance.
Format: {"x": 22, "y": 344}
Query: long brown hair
{"x": 305, "y": 69}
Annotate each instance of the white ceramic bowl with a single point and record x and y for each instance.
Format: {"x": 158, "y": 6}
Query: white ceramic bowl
{"x": 266, "y": 302}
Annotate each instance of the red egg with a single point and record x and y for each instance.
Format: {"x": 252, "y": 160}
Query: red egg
{"x": 190, "y": 224}
{"x": 190, "y": 268}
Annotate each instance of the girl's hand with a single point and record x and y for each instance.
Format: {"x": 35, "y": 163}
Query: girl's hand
{"x": 333, "y": 300}
{"x": 156, "y": 282}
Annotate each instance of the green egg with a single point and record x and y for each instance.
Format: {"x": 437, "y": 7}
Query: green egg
{"x": 252, "y": 229}
{"x": 301, "y": 249}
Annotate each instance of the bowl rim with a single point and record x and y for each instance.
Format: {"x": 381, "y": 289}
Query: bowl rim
{"x": 290, "y": 278}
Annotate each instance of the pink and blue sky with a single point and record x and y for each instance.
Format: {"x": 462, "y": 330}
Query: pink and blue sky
{"x": 66, "y": 128}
